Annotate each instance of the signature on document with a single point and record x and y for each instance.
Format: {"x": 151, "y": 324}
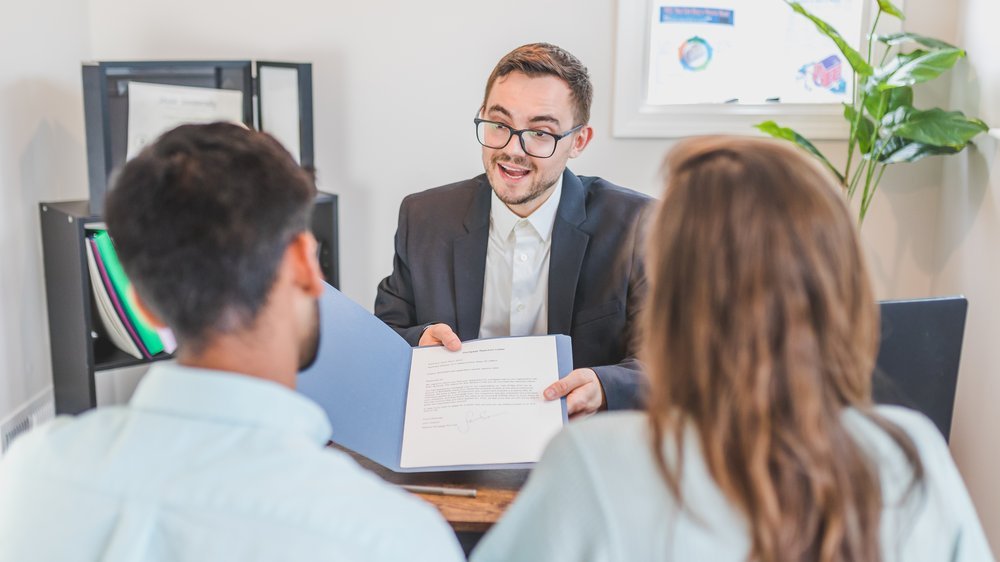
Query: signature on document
{"x": 473, "y": 416}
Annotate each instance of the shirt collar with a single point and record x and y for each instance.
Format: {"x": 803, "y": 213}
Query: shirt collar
{"x": 229, "y": 398}
{"x": 503, "y": 220}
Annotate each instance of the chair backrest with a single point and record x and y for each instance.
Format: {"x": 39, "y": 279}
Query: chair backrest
{"x": 918, "y": 356}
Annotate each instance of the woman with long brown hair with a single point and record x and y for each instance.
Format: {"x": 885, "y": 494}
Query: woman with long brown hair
{"x": 760, "y": 441}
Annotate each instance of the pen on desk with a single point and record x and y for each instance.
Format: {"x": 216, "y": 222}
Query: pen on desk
{"x": 440, "y": 490}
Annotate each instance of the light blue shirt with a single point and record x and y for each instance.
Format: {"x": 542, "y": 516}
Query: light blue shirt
{"x": 205, "y": 465}
{"x": 597, "y": 495}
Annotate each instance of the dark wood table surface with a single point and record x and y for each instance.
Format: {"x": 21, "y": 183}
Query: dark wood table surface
{"x": 495, "y": 490}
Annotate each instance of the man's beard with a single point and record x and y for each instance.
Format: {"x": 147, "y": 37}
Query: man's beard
{"x": 309, "y": 347}
{"x": 539, "y": 185}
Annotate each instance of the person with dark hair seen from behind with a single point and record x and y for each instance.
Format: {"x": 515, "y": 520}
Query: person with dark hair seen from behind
{"x": 528, "y": 248}
{"x": 216, "y": 457}
{"x": 760, "y": 440}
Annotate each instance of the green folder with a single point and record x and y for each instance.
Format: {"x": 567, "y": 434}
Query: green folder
{"x": 150, "y": 339}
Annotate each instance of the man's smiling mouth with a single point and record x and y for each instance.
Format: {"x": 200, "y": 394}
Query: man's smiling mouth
{"x": 512, "y": 172}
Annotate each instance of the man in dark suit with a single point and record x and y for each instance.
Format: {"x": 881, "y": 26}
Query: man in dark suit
{"x": 528, "y": 248}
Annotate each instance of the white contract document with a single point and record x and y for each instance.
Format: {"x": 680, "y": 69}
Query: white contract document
{"x": 154, "y": 109}
{"x": 481, "y": 405}
{"x": 426, "y": 409}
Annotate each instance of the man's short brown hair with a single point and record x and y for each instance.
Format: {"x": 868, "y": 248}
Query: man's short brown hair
{"x": 541, "y": 59}
{"x": 201, "y": 221}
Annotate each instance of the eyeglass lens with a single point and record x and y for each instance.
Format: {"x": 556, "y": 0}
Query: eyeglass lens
{"x": 535, "y": 143}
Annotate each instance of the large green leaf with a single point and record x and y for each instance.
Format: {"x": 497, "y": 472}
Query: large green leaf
{"x": 888, "y": 7}
{"x": 878, "y": 103}
{"x": 853, "y": 57}
{"x": 779, "y": 132}
{"x": 884, "y": 72}
{"x": 922, "y": 68}
{"x": 934, "y": 127}
{"x": 872, "y": 85}
{"x": 900, "y": 97}
{"x": 895, "y": 150}
{"x": 865, "y": 130}
{"x": 901, "y": 38}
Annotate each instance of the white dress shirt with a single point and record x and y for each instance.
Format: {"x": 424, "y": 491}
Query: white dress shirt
{"x": 597, "y": 495}
{"x": 516, "y": 286}
{"x": 205, "y": 465}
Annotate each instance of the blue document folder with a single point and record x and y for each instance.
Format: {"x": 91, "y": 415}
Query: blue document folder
{"x": 361, "y": 376}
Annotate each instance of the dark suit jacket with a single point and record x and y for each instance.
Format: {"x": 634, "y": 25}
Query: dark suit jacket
{"x": 596, "y": 276}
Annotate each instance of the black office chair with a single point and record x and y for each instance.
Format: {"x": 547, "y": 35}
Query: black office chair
{"x": 918, "y": 357}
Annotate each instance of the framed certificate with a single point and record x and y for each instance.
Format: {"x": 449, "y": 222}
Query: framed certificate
{"x": 128, "y": 104}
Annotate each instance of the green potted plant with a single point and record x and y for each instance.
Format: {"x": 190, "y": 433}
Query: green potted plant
{"x": 885, "y": 128}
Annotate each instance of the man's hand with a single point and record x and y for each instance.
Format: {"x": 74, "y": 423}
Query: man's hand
{"x": 440, "y": 334}
{"x": 583, "y": 391}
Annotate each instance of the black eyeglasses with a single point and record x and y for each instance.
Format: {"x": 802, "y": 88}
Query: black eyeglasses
{"x": 540, "y": 144}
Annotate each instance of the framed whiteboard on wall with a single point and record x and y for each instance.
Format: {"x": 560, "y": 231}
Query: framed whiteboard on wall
{"x": 693, "y": 67}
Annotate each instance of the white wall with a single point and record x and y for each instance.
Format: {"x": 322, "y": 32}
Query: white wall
{"x": 396, "y": 85}
{"x": 42, "y": 158}
{"x": 968, "y": 261}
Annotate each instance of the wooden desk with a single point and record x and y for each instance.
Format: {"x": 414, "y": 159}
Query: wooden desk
{"x": 495, "y": 490}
